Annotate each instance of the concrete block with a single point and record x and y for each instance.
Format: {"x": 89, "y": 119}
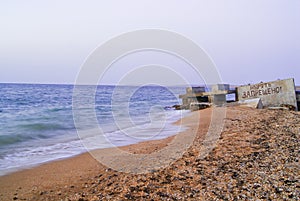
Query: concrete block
{"x": 253, "y": 103}
{"x": 272, "y": 94}
{"x": 195, "y": 90}
{"x": 219, "y": 87}
{"x": 218, "y": 99}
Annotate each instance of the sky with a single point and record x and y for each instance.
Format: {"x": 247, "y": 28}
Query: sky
{"x": 248, "y": 41}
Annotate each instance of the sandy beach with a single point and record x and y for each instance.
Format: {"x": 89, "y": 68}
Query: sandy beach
{"x": 256, "y": 157}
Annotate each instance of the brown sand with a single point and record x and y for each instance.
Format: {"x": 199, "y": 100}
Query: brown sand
{"x": 256, "y": 157}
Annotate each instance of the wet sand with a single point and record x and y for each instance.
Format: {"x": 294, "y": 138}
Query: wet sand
{"x": 256, "y": 157}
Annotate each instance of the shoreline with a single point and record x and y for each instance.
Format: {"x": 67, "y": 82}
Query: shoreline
{"x": 61, "y": 171}
{"x": 84, "y": 149}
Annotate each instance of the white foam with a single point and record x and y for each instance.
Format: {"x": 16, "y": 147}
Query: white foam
{"x": 38, "y": 152}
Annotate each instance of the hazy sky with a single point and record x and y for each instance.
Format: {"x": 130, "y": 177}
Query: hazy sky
{"x": 249, "y": 41}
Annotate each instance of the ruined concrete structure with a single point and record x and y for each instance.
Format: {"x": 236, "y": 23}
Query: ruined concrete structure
{"x": 200, "y": 96}
{"x": 280, "y": 93}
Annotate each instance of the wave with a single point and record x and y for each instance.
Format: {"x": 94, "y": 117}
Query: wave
{"x": 35, "y": 131}
{"x": 10, "y": 139}
{"x": 42, "y": 127}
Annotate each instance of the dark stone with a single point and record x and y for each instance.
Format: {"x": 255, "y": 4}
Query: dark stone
{"x": 161, "y": 194}
{"x": 129, "y": 196}
{"x": 278, "y": 190}
{"x": 235, "y": 175}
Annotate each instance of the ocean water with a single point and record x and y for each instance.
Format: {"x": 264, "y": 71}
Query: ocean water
{"x": 40, "y": 123}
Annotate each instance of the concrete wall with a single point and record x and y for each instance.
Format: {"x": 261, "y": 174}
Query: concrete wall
{"x": 218, "y": 99}
{"x": 195, "y": 90}
{"x": 219, "y": 87}
{"x": 271, "y": 93}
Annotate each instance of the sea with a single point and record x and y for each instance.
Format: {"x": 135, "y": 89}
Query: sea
{"x": 44, "y": 122}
